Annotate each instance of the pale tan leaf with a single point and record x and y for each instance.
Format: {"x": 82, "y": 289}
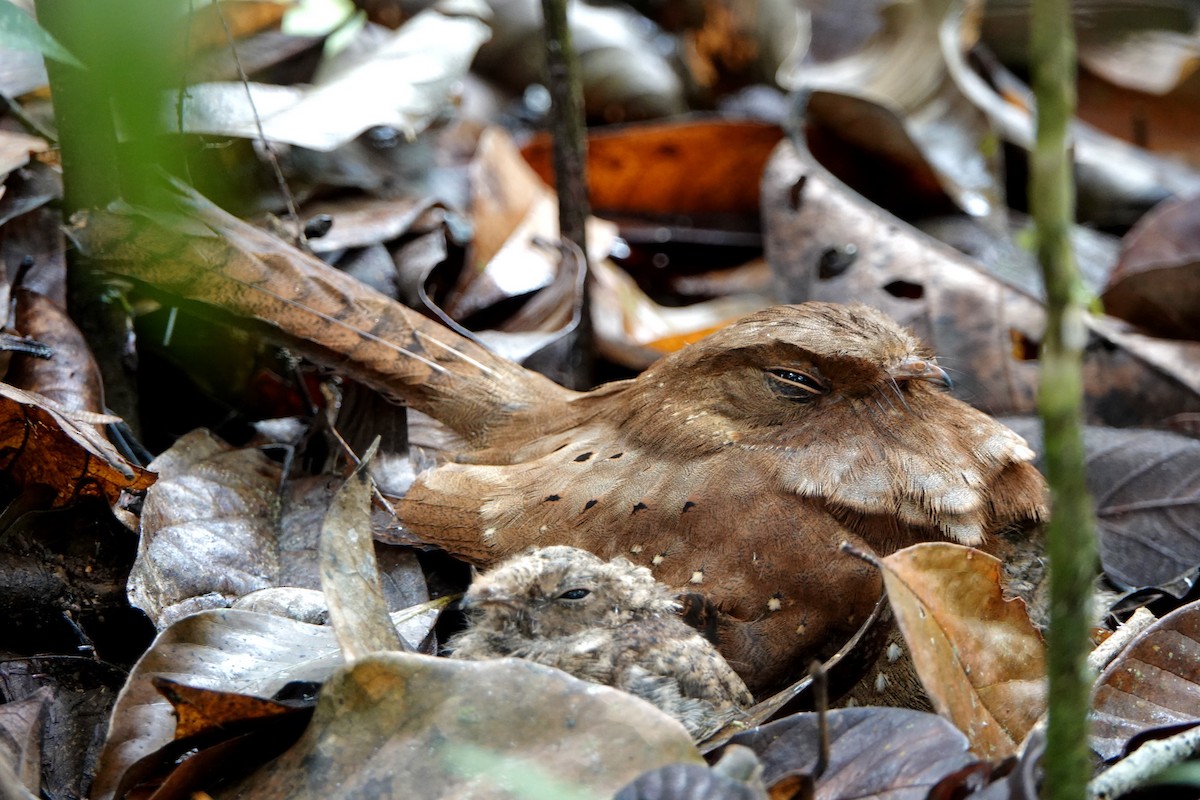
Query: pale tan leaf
{"x": 469, "y": 729}
{"x": 349, "y": 576}
{"x": 980, "y": 658}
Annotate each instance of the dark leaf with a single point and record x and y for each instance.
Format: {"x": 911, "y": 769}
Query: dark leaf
{"x": 1146, "y": 485}
{"x": 1154, "y": 682}
{"x": 874, "y": 752}
{"x": 1156, "y": 283}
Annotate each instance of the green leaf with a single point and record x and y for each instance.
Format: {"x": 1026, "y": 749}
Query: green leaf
{"x": 19, "y": 31}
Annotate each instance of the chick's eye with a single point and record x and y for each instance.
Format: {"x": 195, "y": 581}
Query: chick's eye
{"x": 793, "y": 384}
{"x": 575, "y": 594}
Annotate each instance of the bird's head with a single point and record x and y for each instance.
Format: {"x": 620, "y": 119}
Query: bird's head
{"x": 560, "y": 591}
{"x": 853, "y": 410}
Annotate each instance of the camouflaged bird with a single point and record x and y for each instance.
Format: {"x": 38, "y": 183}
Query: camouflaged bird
{"x": 607, "y": 622}
{"x": 733, "y": 469}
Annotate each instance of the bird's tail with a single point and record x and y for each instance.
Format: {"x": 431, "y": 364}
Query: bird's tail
{"x": 199, "y": 253}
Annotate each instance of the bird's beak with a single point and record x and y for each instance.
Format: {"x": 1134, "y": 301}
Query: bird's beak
{"x": 483, "y": 597}
{"x": 921, "y": 369}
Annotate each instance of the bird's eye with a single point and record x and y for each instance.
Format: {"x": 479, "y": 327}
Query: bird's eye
{"x": 793, "y": 384}
{"x": 574, "y": 594}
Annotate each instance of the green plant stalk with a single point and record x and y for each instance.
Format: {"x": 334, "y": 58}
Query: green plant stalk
{"x": 1071, "y": 535}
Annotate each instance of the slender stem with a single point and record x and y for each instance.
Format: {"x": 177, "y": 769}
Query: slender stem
{"x": 570, "y": 141}
{"x": 570, "y": 160}
{"x": 1071, "y": 536}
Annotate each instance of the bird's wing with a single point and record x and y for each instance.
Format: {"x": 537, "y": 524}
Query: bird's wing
{"x": 218, "y": 260}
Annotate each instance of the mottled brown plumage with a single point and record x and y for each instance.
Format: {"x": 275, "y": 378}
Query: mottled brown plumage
{"x": 733, "y": 468}
{"x": 736, "y": 467}
{"x": 608, "y": 622}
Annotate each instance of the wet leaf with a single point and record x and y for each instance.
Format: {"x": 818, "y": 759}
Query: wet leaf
{"x": 467, "y": 729}
{"x": 903, "y": 68}
{"x": 78, "y": 694}
{"x": 1116, "y": 180}
{"x": 890, "y": 753}
{"x": 221, "y": 525}
{"x": 1154, "y": 682}
{"x": 1156, "y": 283}
{"x": 403, "y": 83}
{"x": 233, "y": 735}
{"x": 979, "y": 657}
{"x": 208, "y": 529}
{"x": 47, "y": 445}
{"x": 224, "y": 650}
{"x": 737, "y": 776}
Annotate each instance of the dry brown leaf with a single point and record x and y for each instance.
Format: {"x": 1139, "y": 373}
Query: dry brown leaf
{"x": 349, "y": 576}
{"x": 980, "y": 658}
{"x": 212, "y": 26}
{"x": 70, "y": 377}
{"x": 1151, "y": 61}
{"x": 16, "y": 149}
{"x": 511, "y": 212}
{"x": 464, "y": 729}
{"x": 60, "y": 448}
{"x": 1156, "y": 283}
{"x": 198, "y": 710}
{"x": 1154, "y": 682}
{"x": 1165, "y": 125}
{"x": 633, "y": 330}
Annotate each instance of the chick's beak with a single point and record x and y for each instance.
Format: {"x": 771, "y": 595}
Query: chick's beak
{"x": 480, "y": 597}
{"x": 920, "y": 369}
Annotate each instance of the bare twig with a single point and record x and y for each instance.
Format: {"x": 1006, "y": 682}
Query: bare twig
{"x": 1113, "y": 645}
{"x": 1144, "y": 764}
